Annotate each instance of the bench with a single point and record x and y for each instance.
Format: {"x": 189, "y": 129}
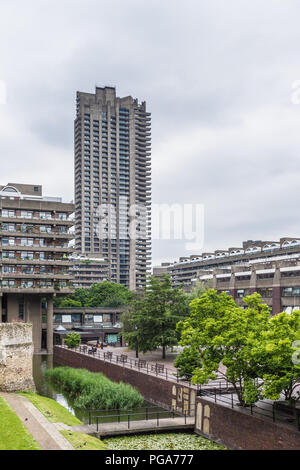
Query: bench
{"x": 159, "y": 368}
{"x": 124, "y": 358}
{"x": 141, "y": 364}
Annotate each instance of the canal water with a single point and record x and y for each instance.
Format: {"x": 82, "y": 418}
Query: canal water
{"x": 45, "y": 388}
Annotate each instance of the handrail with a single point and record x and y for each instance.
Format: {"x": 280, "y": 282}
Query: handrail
{"x": 168, "y": 374}
{"x": 158, "y": 415}
{"x": 260, "y": 408}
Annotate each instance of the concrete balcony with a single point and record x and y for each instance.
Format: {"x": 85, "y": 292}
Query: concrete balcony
{"x": 43, "y": 262}
{"x": 38, "y": 221}
{"x": 52, "y": 248}
{"x": 35, "y": 234}
{"x": 49, "y": 276}
{"x": 37, "y": 290}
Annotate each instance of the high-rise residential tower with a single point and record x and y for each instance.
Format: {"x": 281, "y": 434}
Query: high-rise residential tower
{"x": 113, "y": 183}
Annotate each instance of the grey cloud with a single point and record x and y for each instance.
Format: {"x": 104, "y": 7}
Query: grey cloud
{"x": 215, "y": 73}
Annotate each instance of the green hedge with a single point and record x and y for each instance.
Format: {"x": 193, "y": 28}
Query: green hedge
{"x": 91, "y": 390}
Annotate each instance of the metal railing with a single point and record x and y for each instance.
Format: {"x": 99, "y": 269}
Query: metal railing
{"x": 149, "y": 368}
{"x": 264, "y": 409}
{"x": 128, "y": 417}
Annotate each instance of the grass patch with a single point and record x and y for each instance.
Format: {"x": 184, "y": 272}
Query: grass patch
{"x": 13, "y": 434}
{"x": 82, "y": 441}
{"x": 52, "y": 410}
{"x": 166, "y": 441}
{"x": 90, "y": 390}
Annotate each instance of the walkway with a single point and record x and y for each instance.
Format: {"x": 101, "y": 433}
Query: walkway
{"x": 141, "y": 426}
{"x": 45, "y": 433}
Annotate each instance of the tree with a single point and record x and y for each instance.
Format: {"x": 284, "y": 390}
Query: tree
{"x": 224, "y": 336}
{"x": 154, "y": 315}
{"x": 72, "y": 340}
{"x": 199, "y": 289}
{"x": 69, "y": 303}
{"x": 104, "y": 294}
{"x": 279, "y": 370}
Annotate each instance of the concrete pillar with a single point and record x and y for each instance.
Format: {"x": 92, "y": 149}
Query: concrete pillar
{"x": 50, "y": 325}
{"x": 276, "y": 296}
{"x": 253, "y": 281}
{"x": 232, "y": 284}
{"x": 12, "y": 308}
{"x": 33, "y": 315}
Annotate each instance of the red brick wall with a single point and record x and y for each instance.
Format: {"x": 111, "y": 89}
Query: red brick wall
{"x": 154, "y": 389}
{"x": 244, "y": 432}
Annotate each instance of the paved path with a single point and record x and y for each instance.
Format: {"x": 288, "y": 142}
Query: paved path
{"x": 45, "y": 433}
{"x": 141, "y": 426}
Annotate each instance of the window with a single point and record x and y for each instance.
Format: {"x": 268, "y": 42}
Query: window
{"x": 291, "y": 292}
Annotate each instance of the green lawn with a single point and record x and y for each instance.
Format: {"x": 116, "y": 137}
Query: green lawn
{"x": 13, "y": 434}
{"x": 165, "y": 441}
{"x": 52, "y": 410}
{"x": 83, "y": 441}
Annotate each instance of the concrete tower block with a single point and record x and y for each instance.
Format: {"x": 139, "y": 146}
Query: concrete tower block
{"x": 16, "y": 351}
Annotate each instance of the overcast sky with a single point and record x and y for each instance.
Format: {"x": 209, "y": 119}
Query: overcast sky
{"x": 217, "y": 76}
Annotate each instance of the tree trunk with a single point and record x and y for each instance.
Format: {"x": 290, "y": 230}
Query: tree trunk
{"x": 164, "y": 352}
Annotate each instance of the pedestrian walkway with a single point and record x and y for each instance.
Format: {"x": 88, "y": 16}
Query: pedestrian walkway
{"x": 140, "y": 426}
{"x": 43, "y": 431}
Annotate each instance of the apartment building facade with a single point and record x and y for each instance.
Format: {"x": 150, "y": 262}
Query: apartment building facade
{"x": 88, "y": 270}
{"x": 187, "y": 269}
{"x": 34, "y": 257}
{"x": 113, "y": 183}
{"x": 278, "y": 282}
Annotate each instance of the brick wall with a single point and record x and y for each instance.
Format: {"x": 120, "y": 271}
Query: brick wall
{"x": 240, "y": 431}
{"x": 155, "y": 389}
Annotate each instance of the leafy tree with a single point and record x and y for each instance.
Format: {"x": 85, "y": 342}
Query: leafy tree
{"x": 187, "y": 362}
{"x": 69, "y": 303}
{"x": 199, "y": 289}
{"x": 224, "y": 336}
{"x": 154, "y": 315}
{"x": 72, "y": 340}
{"x": 276, "y": 354}
{"x": 104, "y": 294}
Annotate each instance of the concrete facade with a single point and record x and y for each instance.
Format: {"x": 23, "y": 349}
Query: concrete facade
{"x": 88, "y": 270}
{"x": 34, "y": 246}
{"x": 16, "y": 350}
{"x": 187, "y": 270}
{"x": 113, "y": 171}
{"x": 278, "y": 282}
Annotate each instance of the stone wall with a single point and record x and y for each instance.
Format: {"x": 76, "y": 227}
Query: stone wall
{"x": 16, "y": 351}
{"x": 239, "y": 431}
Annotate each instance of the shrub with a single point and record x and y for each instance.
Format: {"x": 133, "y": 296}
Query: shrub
{"x": 73, "y": 340}
{"x": 91, "y": 390}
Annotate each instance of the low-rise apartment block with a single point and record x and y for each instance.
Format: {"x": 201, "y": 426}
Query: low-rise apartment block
{"x": 278, "y": 282}
{"x": 187, "y": 269}
{"x": 89, "y": 270}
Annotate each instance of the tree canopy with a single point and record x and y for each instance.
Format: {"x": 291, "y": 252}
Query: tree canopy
{"x": 104, "y": 294}
{"x": 151, "y": 321}
{"x": 251, "y": 349}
